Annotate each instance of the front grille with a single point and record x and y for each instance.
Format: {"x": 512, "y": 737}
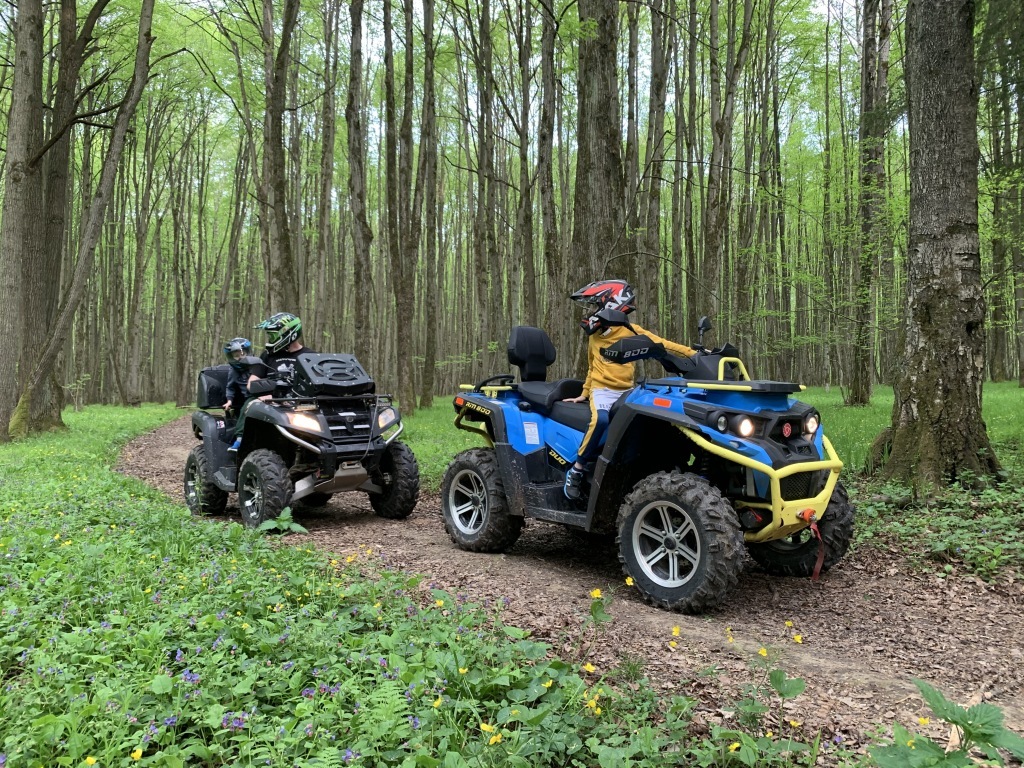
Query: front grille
{"x": 349, "y": 422}
{"x": 799, "y": 486}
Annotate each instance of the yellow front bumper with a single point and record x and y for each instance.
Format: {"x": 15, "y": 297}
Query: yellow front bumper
{"x": 786, "y": 513}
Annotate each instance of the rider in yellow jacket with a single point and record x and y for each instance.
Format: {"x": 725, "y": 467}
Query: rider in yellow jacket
{"x": 606, "y": 381}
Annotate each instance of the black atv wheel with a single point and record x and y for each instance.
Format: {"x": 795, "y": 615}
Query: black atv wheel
{"x": 402, "y": 489}
{"x": 201, "y": 495}
{"x": 264, "y": 488}
{"x": 680, "y": 541}
{"x": 796, "y": 555}
{"x": 474, "y": 506}
{"x": 316, "y": 500}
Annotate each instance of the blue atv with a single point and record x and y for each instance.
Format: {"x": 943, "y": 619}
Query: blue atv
{"x": 695, "y": 466}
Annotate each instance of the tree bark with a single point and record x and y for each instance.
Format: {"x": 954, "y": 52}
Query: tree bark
{"x": 23, "y": 198}
{"x": 19, "y": 422}
{"x": 362, "y": 235}
{"x": 937, "y": 432}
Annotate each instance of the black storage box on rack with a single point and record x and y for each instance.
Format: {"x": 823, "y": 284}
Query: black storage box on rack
{"x": 331, "y": 375}
{"x": 211, "y": 388}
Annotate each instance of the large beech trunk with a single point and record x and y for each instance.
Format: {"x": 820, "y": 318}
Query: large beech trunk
{"x": 937, "y": 432}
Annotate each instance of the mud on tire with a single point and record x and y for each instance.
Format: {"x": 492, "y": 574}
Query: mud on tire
{"x": 474, "y": 506}
{"x": 264, "y": 488}
{"x": 400, "y": 494}
{"x": 202, "y": 496}
{"x": 680, "y": 541}
{"x": 796, "y": 555}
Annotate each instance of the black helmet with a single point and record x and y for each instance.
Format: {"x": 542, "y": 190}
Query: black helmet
{"x": 282, "y": 329}
{"x": 611, "y": 294}
{"x": 235, "y": 350}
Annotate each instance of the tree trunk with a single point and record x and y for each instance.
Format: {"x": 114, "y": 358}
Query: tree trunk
{"x": 428, "y": 160}
{"x": 937, "y": 432}
{"x": 282, "y": 278}
{"x": 19, "y": 425}
{"x": 362, "y": 235}
{"x": 600, "y": 184}
{"x": 23, "y": 198}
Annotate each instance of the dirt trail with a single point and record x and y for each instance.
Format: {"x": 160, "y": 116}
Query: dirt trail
{"x": 867, "y": 627}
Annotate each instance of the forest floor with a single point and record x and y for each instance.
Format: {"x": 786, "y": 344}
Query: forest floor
{"x": 869, "y": 626}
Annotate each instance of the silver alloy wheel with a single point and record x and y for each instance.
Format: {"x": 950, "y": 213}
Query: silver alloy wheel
{"x": 666, "y": 543}
{"x": 252, "y": 495}
{"x": 467, "y": 500}
{"x": 192, "y": 493}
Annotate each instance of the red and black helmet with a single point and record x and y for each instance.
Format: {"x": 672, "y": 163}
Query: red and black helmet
{"x": 611, "y": 294}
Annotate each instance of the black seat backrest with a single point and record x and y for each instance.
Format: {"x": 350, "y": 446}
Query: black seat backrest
{"x": 531, "y": 351}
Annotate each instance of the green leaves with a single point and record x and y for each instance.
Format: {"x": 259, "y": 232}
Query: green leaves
{"x": 786, "y": 687}
{"x": 161, "y": 684}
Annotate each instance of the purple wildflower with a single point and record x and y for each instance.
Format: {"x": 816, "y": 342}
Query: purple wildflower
{"x": 350, "y": 756}
{"x": 414, "y": 722}
{"x": 171, "y": 721}
{"x": 308, "y": 693}
{"x": 189, "y": 676}
{"x": 179, "y": 655}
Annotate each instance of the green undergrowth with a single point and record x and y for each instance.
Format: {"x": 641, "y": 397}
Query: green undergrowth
{"x": 979, "y": 531}
{"x": 134, "y": 634}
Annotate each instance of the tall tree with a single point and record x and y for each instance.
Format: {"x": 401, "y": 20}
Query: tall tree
{"x": 874, "y": 78}
{"x": 937, "y": 433}
{"x": 362, "y": 235}
{"x": 23, "y": 194}
{"x": 598, "y": 209}
{"x": 283, "y": 282}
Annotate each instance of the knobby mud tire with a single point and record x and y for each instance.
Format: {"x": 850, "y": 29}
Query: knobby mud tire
{"x": 400, "y": 495}
{"x": 263, "y": 472}
{"x": 787, "y": 557}
{"x": 473, "y": 477}
{"x": 204, "y": 498}
{"x": 715, "y": 536}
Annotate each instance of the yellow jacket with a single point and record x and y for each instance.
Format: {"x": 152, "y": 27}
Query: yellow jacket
{"x": 604, "y": 374}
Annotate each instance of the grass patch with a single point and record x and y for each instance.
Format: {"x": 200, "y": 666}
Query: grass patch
{"x": 136, "y": 634}
{"x": 431, "y": 434}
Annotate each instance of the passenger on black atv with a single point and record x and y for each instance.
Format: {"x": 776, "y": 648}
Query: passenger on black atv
{"x": 606, "y": 381}
{"x": 284, "y": 345}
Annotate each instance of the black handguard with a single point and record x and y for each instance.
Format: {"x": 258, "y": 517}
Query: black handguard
{"x": 632, "y": 349}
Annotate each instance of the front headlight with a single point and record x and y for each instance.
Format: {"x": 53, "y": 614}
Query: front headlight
{"x": 811, "y": 423}
{"x": 305, "y": 422}
{"x": 745, "y": 426}
{"x": 386, "y": 418}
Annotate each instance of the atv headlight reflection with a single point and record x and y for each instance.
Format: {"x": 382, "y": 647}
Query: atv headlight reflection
{"x": 386, "y": 418}
{"x": 811, "y": 423}
{"x": 305, "y": 422}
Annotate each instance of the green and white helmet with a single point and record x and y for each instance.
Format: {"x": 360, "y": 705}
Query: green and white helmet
{"x": 282, "y": 329}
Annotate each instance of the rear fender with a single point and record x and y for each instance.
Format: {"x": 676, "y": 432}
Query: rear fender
{"x": 471, "y": 409}
{"x": 214, "y": 433}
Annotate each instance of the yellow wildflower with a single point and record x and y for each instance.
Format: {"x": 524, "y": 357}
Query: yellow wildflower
{"x": 245, "y": 625}
{"x": 923, "y": 720}
{"x": 437, "y": 702}
{"x": 486, "y": 727}
{"x": 768, "y": 734}
{"x": 789, "y": 623}
{"x": 588, "y": 667}
{"x": 675, "y": 631}
{"x": 910, "y": 744}
{"x": 597, "y": 710}
{"x": 763, "y": 652}
{"x": 672, "y": 643}
{"x": 90, "y": 760}
{"x": 798, "y": 638}
{"x": 463, "y": 670}
{"x": 795, "y": 723}
{"x": 439, "y": 603}
{"x": 629, "y": 581}
{"x": 734, "y": 746}
{"x": 596, "y": 594}
{"x": 547, "y": 683}
{"x": 495, "y": 739}
{"x": 137, "y": 754}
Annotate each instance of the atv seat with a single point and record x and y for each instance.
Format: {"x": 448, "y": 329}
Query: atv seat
{"x": 543, "y": 395}
{"x": 575, "y": 415}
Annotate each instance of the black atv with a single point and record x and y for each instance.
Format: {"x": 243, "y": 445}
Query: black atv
{"x": 323, "y": 430}
{"x": 695, "y": 466}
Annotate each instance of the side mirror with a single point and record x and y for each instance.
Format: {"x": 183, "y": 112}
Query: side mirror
{"x": 704, "y": 324}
